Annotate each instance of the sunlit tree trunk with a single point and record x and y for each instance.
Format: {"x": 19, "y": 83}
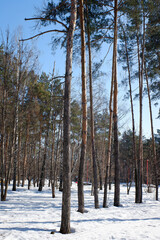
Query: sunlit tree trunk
{"x": 108, "y": 163}
{"x": 95, "y": 175}
{"x": 84, "y": 113}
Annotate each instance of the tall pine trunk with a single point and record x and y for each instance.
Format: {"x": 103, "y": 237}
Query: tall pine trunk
{"x": 115, "y": 113}
{"x": 84, "y": 113}
{"x": 152, "y": 133}
{"x": 96, "y": 202}
{"x": 66, "y": 196}
{"x": 132, "y": 112}
{"x": 16, "y": 113}
{"x": 108, "y": 163}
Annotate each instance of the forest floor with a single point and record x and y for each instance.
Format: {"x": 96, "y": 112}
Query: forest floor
{"x": 33, "y": 215}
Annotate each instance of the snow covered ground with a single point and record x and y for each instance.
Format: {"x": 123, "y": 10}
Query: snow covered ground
{"x": 32, "y": 215}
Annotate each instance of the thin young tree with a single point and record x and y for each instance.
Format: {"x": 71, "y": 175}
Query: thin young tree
{"x": 84, "y": 112}
{"x": 115, "y": 107}
{"x": 152, "y": 134}
{"x": 96, "y": 202}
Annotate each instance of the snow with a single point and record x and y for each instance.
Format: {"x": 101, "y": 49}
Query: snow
{"x": 29, "y": 214}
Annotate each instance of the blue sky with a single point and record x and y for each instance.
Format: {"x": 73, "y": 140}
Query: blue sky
{"x": 12, "y": 14}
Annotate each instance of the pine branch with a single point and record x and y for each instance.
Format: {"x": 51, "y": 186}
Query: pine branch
{"x": 59, "y": 6}
{"x": 53, "y": 20}
{"x": 39, "y": 34}
{"x": 101, "y": 38}
{"x": 106, "y": 5}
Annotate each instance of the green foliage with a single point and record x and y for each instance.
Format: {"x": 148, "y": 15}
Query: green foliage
{"x": 153, "y": 47}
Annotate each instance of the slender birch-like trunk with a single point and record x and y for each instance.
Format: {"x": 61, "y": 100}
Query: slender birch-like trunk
{"x": 84, "y": 113}
{"x": 108, "y": 163}
{"x": 132, "y": 111}
{"x": 152, "y": 133}
{"x": 115, "y": 112}
{"x": 95, "y": 177}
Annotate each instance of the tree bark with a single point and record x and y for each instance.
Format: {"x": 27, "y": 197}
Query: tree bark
{"x": 66, "y": 195}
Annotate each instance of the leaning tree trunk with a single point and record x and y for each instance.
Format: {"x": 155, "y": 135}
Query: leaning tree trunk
{"x": 84, "y": 110}
{"x": 96, "y": 202}
{"x": 108, "y": 163}
{"x": 10, "y": 163}
{"x": 152, "y": 133}
{"x": 140, "y": 160}
{"x": 66, "y": 196}
{"x": 115, "y": 116}
{"x": 132, "y": 111}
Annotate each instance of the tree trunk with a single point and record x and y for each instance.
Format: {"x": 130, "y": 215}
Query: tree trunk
{"x": 84, "y": 110}
{"x": 3, "y": 197}
{"x": 152, "y": 133}
{"x": 108, "y": 163}
{"x": 115, "y": 116}
{"x": 18, "y": 157}
{"x": 52, "y": 170}
{"x": 66, "y": 195}
{"x": 140, "y": 160}
{"x": 16, "y": 113}
{"x": 96, "y": 201}
{"x": 42, "y": 175}
{"x": 132, "y": 113}
{"x": 34, "y": 165}
{"x": 39, "y": 154}
{"x": 3, "y": 132}
{"x": 25, "y": 155}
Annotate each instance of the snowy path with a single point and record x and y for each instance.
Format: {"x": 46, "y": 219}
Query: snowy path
{"x": 32, "y": 215}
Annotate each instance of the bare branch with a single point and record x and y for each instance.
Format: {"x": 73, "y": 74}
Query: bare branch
{"x": 59, "y": 77}
{"x": 52, "y": 20}
{"x": 106, "y": 5}
{"x": 39, "y": 34}
{"x": 108, "y": 11}
{"x": 101, "y": 38}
